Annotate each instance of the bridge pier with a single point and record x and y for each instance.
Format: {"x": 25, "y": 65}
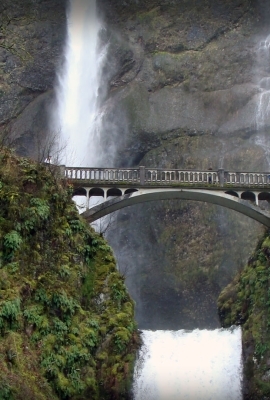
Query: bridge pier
{"x": 87, "y": 198}
{"x": 256, "y": 199}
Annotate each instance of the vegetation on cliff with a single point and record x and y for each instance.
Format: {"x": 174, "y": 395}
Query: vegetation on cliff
{"x": 246, "y": 302}
{"x": 66, "y": 320}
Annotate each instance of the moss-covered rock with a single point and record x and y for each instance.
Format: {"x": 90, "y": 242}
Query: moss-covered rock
{"x": 66, "y": 320}
{"x": 246, "y": 302}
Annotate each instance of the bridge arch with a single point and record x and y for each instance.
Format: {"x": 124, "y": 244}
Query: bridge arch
{"x": 96, "y": 192}
{"x": 131, "y": 191}
{"x": 209, "y": 196}
{"x": 79, "y": 192}
{"x": 232, "y": 193}
{"x": 264, "y": 196}
{"x": 114, "y": 192}
{"x": 248, "y": 195}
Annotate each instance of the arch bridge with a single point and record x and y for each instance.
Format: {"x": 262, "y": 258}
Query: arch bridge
{"x": 245, "y": 192}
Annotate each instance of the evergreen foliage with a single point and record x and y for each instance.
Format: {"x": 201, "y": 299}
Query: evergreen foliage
{"x": 246, "y": 302}
{"x": 67, "y": 326}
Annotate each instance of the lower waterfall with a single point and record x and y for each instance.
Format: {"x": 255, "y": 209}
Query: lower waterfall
{"x": 189, "y": 365}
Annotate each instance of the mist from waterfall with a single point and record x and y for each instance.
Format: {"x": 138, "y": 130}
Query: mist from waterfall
{"x": 77, "y": 116}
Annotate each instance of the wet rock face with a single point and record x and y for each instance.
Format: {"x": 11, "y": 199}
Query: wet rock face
{"x": 189, "y": 68}
{"x": 187, "y": 96}
{"x": 183, "y": 83}
{"x": 31, "y": 41}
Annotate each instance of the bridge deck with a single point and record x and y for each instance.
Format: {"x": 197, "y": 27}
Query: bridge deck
{"x": 157, "y": 177}
{"x": 130, "y": 186}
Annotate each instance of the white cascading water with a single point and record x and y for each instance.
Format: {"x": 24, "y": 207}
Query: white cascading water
{"x": 262, "y": 113}
{"x": 77, "y": 116}
{"x": 263, "y": 104}
{"x": 196, "y": 365}
{"x": 182, "y": 365}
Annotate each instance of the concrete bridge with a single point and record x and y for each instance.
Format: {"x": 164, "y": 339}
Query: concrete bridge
{"x": 245, "y": 192}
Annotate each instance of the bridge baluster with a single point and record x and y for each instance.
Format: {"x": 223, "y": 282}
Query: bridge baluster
{"x": 112, "y": 175}
{"x": 182, "y": 176}
{"x": 241, "y": 179}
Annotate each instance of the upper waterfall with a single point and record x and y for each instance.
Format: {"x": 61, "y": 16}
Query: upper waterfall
{"x": 76, "y": 116}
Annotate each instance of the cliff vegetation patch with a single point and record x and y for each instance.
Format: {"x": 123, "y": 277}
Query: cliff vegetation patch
{"x": 246, "y": 302}
{"x": 67, "y": 328}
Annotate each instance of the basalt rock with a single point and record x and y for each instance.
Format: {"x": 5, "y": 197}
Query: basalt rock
{"x": 187, "y": 96}
{"x": 31, "y": 41}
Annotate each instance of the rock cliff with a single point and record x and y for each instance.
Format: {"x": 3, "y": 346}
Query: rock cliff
{"x": 185, "y": 85}
{"x": 185, "y": 88}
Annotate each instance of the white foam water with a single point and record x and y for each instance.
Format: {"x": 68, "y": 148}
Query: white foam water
{"x": 182, "y": 365}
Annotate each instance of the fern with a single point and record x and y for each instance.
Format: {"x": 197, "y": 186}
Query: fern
{"x": 11, "y": 242}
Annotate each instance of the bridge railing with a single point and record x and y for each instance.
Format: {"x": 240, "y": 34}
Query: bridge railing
{"x": 104, "y": 174}
{"x": 247, "y": 178}
{"x": 180, "y": 176}
{"x": 141, "y": 175}
{"x": 144, "y": 176}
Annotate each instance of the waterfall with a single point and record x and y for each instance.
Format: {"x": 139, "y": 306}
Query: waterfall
{"x": 77, "y": 116}
{"x": 197, "y": 365}
{"x": 262, "y": 110}
{"x": 263, "y": 105}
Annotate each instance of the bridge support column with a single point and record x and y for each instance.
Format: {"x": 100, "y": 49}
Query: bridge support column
{"x": 142, "y": 175}
{"x": 221, "y": 176}
{"x": 256, "y": 199}
{"x": 87, "y": 198}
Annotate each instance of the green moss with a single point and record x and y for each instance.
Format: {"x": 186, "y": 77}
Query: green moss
{"x": 59, "y": 287}
{"x": 247, "y": 302}
{"x": 266, "y": 242}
